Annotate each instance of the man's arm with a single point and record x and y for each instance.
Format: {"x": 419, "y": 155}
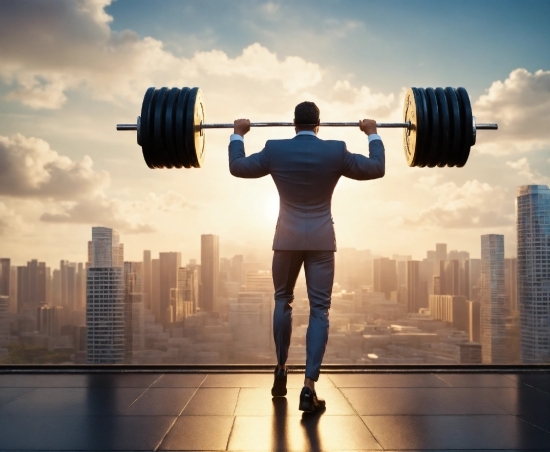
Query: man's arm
{"x": 359, "y": 167}
{"x": 253, "y": 166}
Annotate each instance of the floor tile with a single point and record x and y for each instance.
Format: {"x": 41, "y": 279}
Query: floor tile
{"x": 301, "y": 433}
{"x": 72, "y": 401}
{"x": 212, "y": 402}
{"x": 43, "y": 380}
{"x": 456, "y": 432}
{"x": 198, "y": 433}
{"x": 539, "y": 380}
{"x": 521, "y": 400}
{"x": 478, "y": 380}
{"x": 294, "y": 380}
{"x": 385, "y": 401}
{"x": 180, "y": 381}
{"x": 387, "y": 381}
{"x": 10, "y": 394}
{"x": 122, "y": 380}
{"x": 161, "y": 402}
{"x": 83, "y": 432}
{"x": 258, "y": 402}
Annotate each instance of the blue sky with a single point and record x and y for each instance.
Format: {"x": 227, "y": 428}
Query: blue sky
{"x": 70, "y": 70}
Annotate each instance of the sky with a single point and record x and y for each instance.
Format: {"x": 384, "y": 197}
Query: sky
{"x": 70, "y": 70}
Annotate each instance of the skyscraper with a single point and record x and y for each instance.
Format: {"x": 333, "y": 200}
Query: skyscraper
{"x": 533, "y": 269}
{"x": 169, "y": 264}
{"x": 5, "y": 277}
{"x": 384, "y": 276}
{"x": 440, "y": 253}
{"x": 493, "y": 313}
{"x": 105, "y": 299}
{"x": 146, "y": 289}
{"x": 414, "y": 289}
{"x": 210, "y": 269}
{"x": 133, "y": 308}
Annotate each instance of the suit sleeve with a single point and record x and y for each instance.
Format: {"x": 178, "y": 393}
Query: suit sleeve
{"x": 253, "y": 166}
{"x": 359, "y": 167}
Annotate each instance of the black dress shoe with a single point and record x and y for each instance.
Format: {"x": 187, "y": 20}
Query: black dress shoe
{"x": 309, "y": 401}
{"x": 279, "y": 383}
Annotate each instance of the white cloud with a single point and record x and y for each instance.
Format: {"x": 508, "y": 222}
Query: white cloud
{"x": 524, "y": 171}
{"x": 521, "y": 107}
{"x": 11, "y": 223}
{"x": 29, "y": 167}
{"x": 81, "y": 52}
{"x": 473, "y": 205}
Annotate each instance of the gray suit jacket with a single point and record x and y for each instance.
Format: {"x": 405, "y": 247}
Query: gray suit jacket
{"x": 305, "y": 170}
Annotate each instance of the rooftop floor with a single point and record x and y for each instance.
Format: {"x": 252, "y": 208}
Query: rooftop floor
{"x": 225, "y": 411}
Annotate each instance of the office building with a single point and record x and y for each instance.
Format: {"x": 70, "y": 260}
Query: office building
{"x": 168, "y": 267}
{"x": 147, "y": 275}
{"x": 4, "y": 320}
{"x": 416, "y": 297}
{"x": 384, "y": 276}
{"x": 452, "y": 309}
{"x": 470, "y": 353}
{"x": 5, "y": 277}
{"x": 210, "y": 268}
{"x": 49, "y": 320}
{"x": 493, "y": 313}
{"x": 134, "y": 319}
{"x": 533, "y": 270}
{"x": 474, "y": 320}
{"x": 105, "y": 313}
{"x": 511, "y": 284}
{"x": 155, "y": 289}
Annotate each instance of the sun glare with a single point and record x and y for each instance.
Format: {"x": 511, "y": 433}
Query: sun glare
{"x": 272, "y": 207}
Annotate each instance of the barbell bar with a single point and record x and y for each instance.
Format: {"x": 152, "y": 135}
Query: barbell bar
{"x": 438, "y": 127}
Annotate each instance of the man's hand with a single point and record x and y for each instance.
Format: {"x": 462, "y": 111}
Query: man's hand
{"x": 241, "y": 126}
{"x": 368, "y": 126}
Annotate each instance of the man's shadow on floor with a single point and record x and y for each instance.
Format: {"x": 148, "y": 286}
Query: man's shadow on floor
{"x": 280, "y": 431}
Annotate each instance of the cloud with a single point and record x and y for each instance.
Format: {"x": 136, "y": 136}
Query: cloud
{"x": 473, "y": 205}
{"x": 521, "y": 107}
{"x": 10, "y": 222}
{"x": 29, "y": 167}
{"x": 107, "y": 212}
{"x": 50, "y": 48}
{"x": 524, "y": 170}
{"x": 123, "y": 215}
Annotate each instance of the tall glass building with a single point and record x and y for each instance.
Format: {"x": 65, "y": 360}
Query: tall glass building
{"x": 533, "y": 266}
{"x": 105, "y": 315}
{"x": 493, "y": 327}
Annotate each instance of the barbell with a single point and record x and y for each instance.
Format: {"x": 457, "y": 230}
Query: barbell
{"x": 438, "y": 127}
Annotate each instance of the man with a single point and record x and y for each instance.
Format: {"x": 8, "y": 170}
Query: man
{"x": 305, "y": 170}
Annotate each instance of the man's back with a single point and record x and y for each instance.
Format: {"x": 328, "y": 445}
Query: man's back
{"x": 305, "y": 170}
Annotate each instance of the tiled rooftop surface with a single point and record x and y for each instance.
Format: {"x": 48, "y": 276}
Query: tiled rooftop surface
{"x": 224, "y": 411}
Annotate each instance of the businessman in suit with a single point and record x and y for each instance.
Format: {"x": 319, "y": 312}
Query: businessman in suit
{"x": 305, "y": 170}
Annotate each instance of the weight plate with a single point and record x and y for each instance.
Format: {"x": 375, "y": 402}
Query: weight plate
{"x": 158, "y": 133}
{"x": 144, "y": 132}
{"x": 466, "y": 120}
{"x": 433, "y": 123}
{"x": 444, "y": 125}
{"x": 195, "y": 135}
{"x": 181, "y": 128}
{"x": 169, "y": 129}
{"x": 422, "y": 125}
{"x": 456, "y": 130}
{"x": 411, "y": 132}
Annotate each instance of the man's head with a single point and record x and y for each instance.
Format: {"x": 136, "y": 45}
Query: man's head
{"x": 306, "y": 117}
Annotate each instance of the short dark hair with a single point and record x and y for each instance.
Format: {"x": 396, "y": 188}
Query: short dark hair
{"x": 306, "y": 114}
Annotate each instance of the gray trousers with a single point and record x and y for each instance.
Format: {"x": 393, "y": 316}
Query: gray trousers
{"x": 319, "y": 270}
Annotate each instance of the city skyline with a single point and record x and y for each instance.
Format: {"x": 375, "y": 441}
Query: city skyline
{"x": 65, "y": 169}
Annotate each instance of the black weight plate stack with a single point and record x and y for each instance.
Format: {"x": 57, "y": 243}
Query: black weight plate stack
{"x": 169, "y": 127}
{"x": 145, "y": 128}
{"x": 181, "y": 128}
{"x": 158, "y": 134}
{"x": 444, "y": 126}
{"x": 433, "y": 122}
{"x": 467, "y": 125}
{"x": 456, "y": 128}
{"x": 195, "y": 135}
{"x": 410, "y": 133}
